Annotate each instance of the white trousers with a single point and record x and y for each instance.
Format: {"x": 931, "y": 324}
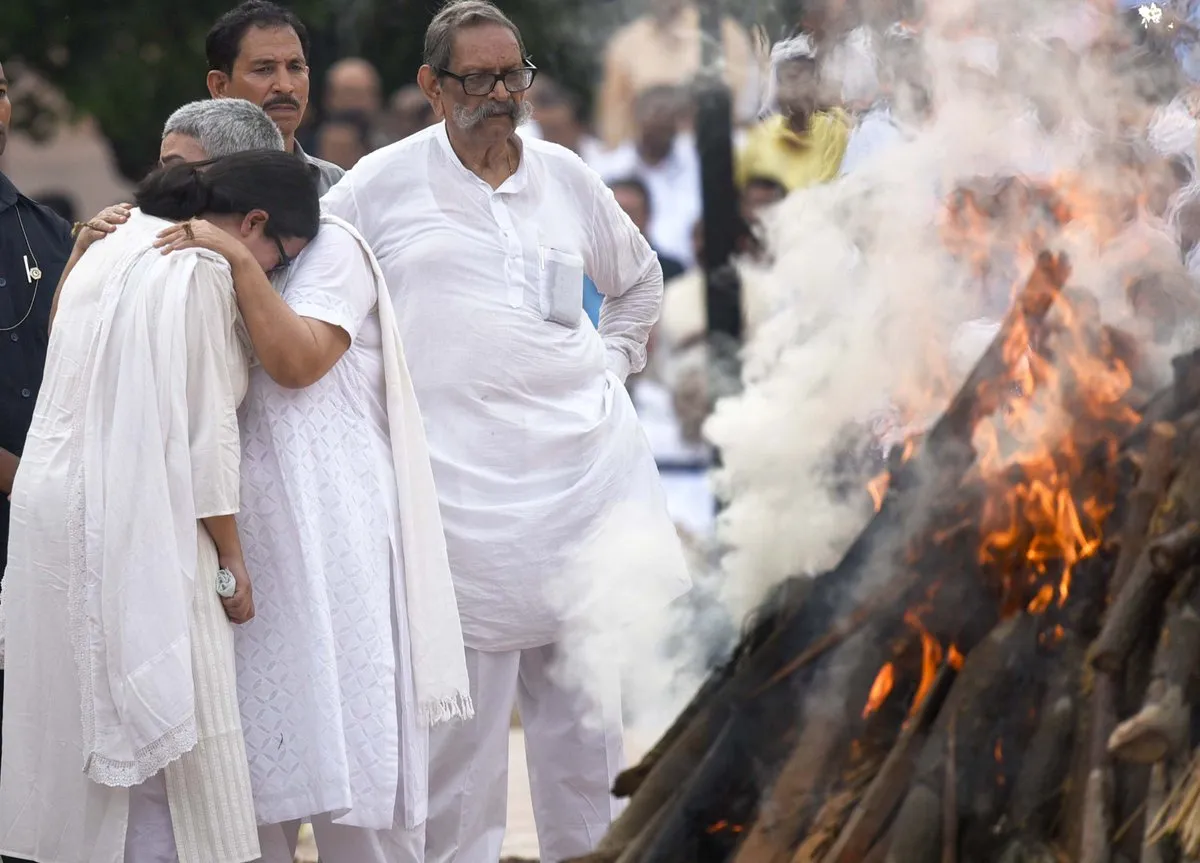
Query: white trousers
{"x": 339, "y": 844}
{"x": 150, "y": 836}
{"x": 574, "y": 750}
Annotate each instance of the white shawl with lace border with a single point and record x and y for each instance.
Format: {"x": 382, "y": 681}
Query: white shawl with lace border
{"x": 132, "y": 527}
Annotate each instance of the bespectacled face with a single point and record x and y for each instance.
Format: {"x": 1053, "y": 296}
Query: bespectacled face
{"x": 460, "y": 92}
{"x": 270, "y": 71}
{"x": 177, "y": 148}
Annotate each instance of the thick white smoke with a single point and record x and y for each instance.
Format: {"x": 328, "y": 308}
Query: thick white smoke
{"x": 875, "y": 322}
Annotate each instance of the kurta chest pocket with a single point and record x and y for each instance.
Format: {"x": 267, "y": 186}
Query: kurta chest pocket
{"x": 560, "y": 287}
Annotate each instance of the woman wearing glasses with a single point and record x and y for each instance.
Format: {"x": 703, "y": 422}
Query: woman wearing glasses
{"x": 356, "y": 647}
{"x": 484, "y": 239}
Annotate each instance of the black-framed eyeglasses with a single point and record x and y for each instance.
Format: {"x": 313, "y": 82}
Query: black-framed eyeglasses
{"x": 483, "y": 83}
{"x": 285, "y": 260}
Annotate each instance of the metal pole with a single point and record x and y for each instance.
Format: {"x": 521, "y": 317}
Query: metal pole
{"x": 714, "y": 140}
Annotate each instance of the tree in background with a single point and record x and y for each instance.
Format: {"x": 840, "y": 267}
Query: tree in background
{"x": 129, "y": 64}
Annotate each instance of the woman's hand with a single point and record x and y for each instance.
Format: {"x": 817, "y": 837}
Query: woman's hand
{"x": 199, "y": 234}
{"x": 239, "y": 608}
{"x": 103, "y": 224}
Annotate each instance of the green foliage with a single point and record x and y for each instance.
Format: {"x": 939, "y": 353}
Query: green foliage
{"x": 129, "y": 63}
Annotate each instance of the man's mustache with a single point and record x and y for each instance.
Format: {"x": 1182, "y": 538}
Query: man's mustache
{"x": 518, "y": 112}
{"x": 289, "y": 101}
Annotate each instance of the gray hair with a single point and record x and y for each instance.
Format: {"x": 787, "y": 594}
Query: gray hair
{"x": 225, "y": 126}
{"x": 459, "y": 15}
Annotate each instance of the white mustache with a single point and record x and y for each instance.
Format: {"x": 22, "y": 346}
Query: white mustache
{"x": 467, "y": 118}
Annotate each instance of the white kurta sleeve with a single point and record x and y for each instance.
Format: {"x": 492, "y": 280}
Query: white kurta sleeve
{"x": 626, "y": 270}
{"x": 212, "y": 346}
{"x": 336, "y": 284}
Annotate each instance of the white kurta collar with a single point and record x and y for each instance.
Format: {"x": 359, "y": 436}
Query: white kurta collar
{"x": 512, "y": 186}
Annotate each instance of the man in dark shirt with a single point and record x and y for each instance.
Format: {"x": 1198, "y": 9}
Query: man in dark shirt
{"x": 34, "y": 245}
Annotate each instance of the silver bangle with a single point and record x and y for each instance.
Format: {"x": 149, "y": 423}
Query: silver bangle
{"x": 226, "y": 585}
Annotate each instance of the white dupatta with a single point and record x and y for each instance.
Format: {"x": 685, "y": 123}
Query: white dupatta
{"x": 435, "y": 630}
{"x": 133, "y": 526}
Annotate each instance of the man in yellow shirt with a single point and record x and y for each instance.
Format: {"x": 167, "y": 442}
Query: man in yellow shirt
{"x": 801, "y": 145}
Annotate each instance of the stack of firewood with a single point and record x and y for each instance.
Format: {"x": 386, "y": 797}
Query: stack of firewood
{"x": 1005, "y": 728}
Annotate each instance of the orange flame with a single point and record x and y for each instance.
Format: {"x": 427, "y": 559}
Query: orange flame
{"x": 931, "y": 660}
{"x": 878, "y": 487}
{"x": 955, "y": 658}
{"x": 880, "y": 689}
{"x": 1031, "y": 454}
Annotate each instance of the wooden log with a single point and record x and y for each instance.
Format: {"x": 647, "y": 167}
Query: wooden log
{"x": 917, "y": 834}
{"x": 1175, "y": 549}
{"x": 887, "y": 790}
{"x": 663, "y": 779}
{"x": 1161, "y": 729}
{"x": 950, "y": 797}
{"x": 1156, "y": 473}
{"x": 1024, "y": 850}
{"x": 1096, "y": 827}
{"x": 782, "y": 814}
{"x": 1141, "y": 597}
{"x": 1046, "y": 760}
{"x": 1156, "y": 795}
{"x": 776, "y": 611}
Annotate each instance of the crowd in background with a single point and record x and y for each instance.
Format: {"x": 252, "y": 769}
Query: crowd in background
{"x": 811, "y": 108}
{"x": 821, "y": 104}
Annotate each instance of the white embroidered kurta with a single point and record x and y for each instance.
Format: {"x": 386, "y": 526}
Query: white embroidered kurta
{"x": 532, "y": 434}
{"x": 133, "y": 440}
{"x": 321, "y": 666}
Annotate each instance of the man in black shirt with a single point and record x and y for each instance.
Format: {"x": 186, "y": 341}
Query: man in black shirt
{"x": 34, "y": 245}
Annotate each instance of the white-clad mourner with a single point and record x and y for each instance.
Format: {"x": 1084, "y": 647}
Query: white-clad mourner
{"x": 356, "y": 648}
{"x": 484, "y": 239}
{"x": 122, "y": 736}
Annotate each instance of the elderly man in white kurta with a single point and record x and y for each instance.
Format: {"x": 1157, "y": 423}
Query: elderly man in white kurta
{"x": 484, "y": 240}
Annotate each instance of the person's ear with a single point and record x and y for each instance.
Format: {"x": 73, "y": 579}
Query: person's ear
{"x": 431, "y": 86}
{"x": 218, "y": 83}
{"x": 254, "y": 222}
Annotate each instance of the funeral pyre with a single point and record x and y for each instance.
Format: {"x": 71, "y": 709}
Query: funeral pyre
{"x": 1002, "y": 666}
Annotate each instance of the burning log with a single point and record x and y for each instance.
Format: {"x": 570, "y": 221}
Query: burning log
{"x": 885, "y": 792}
{"x": 848, "y": 728}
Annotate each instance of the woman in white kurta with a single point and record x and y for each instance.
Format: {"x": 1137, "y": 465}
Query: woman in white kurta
{"x": 123, "y": 739}
{"x": 341, "y": 529}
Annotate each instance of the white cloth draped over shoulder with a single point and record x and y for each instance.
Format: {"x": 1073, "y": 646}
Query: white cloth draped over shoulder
{"x": 134, "y": 439}
{"x": 532, "y": 433}
{"x": 356, "y": 647}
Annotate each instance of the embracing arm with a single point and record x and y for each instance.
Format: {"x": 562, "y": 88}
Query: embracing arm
{"x": 295, "y": 351}
{"x": 105, "y": 222}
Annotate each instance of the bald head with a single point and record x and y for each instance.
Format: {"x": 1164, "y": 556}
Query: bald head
{"x": 353, "y": 84}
